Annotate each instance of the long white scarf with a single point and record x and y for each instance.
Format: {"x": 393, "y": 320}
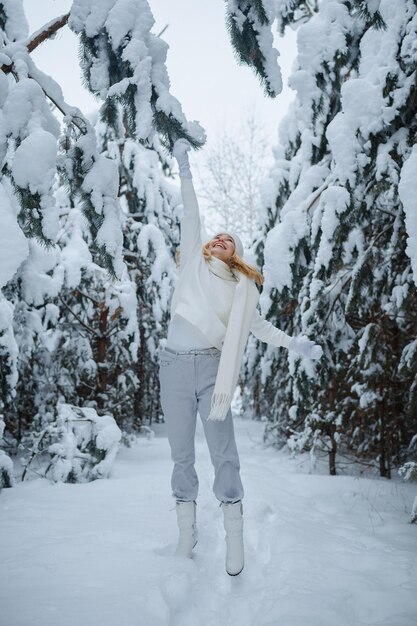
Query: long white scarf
{"x": 245, "y": 299}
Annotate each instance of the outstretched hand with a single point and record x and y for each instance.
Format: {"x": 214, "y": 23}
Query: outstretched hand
{"x": 180, "y": 146}
{"x": 305, "y": 347}
{"x": 179, "y": 150}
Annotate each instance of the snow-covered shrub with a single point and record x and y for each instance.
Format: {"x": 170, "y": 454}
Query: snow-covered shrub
{"x": 6, "y": 470}
{"x": 6, "y": 465}
{"x": 408, "y": 472}
{"x": 79, "y": 446}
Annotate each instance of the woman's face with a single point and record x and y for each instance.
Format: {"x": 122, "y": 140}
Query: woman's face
{"x": 222, "y": 246}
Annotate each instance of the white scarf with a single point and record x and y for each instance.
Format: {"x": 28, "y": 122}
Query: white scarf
{"x": 245, "y": 299}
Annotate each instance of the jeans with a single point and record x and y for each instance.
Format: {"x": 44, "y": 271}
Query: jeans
{"x": 187, "y": 381}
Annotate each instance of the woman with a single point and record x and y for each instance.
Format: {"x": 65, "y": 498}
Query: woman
{"x": 213, "y": 309}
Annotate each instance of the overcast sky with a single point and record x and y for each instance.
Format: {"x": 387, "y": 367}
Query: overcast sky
{"x": 205, "y": 77}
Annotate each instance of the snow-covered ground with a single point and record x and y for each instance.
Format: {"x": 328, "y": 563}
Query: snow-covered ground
{"x": 320, "y": 550}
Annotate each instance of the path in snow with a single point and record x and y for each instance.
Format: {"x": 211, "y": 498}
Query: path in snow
{"x": 320, "y": 550}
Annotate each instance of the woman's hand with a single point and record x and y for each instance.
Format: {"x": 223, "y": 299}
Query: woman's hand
{"x": 305, "y": 347}
{"x": 179, "y": 150}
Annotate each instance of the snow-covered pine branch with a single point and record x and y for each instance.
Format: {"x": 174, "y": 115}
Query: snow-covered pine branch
{"x": 249, "y": 24}
{"x": 123, "y": 61}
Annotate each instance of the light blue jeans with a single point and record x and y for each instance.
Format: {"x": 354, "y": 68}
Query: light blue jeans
{"x": 187, "y": 381}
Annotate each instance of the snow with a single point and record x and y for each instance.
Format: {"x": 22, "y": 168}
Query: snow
{"x": 407, "y": 190}
{"x": 34, "y": 168}
{"x": 124, "y": 14}
{"x": 263, "y": 35}
{"x": 26, "y": 110}
{"x": 90, "y": 15}
{"x": 8, "y": 343}
{"x": 41, "y": 275}
{"x": 14, "y": 248}
{"x": 54, "y": 91}
{"x": 282, "y": 240}
{"x": 334, "y": 201}
{"x": 323, "y": 35}
{"x": 75, "y": 254}
{"x": 409, "y": 42}
{"x": 16, "y": 24}
{"x": 272, "y": 69}
{"x": 77, "y": 429}
{"x": 320, "y": 550}
{"x": 150, "y": 235}
{"x": 35, "y": 162}
{"x": 362, "y": 104}
{"x": 4, "y": 89}
{"x": 6, "y": 464}
{"x": 345, "y": 148}
{"x": 101, "y": 183}
{"x": 6, "y": 469}
{"x": 128, "y": 24}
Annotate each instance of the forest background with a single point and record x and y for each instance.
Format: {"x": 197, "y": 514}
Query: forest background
{"x": 90, "y": 214}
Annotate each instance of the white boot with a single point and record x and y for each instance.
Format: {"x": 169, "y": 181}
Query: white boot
{"x": 186, "y": 518}
{"x": 233, "y": 525}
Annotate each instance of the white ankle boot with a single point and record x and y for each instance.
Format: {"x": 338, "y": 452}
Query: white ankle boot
{"x": 186, "y": 519}
{"x": 233, "y": 525}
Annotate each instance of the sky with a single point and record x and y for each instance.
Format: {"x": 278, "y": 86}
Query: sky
{"x": 204, "y": 74}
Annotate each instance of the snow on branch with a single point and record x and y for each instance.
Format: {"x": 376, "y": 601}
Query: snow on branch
{"x": 249, "y": 25}
{"x": 124, "y": 63}
{"x": 407, "y": 190}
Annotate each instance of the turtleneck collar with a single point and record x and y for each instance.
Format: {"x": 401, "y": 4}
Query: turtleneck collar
{"x": 221, "y": 269}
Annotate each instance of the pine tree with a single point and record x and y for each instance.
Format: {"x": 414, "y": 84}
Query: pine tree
{"x": 138, "y": 118}
{"x": 336, "y": 257}
{"x": 151, "y": 234}
{"x": 74, "y": 213}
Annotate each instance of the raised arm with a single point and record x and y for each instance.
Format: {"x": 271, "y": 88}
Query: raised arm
{"x": 190, "y": 240}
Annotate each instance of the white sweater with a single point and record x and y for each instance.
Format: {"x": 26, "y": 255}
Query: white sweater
{"x": 183, "y": 334}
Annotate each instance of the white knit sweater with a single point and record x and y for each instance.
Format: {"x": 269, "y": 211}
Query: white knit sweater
{"x": 185, "y": 334}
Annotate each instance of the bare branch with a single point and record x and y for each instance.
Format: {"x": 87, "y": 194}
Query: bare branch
{"x": 46, "y": 32}
{"x": 231, "y": 177}
{"x": 77, "y": 317}
{"x": 162, "y": 31}
{"x": 85, "y": 295}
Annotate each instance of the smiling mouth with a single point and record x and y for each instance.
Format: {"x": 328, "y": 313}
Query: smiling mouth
{"x": 220, "y": 245}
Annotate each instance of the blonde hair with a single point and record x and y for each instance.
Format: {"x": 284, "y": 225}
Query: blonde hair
{"x": 237, "y": 263}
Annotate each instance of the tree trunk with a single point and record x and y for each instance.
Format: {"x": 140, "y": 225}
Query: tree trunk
{"x": 331, "y": 431}
{"x": 256, "y": 397}
{"x": 102, "y": 345}
{"x": 332, "y": 459}
{"x": 140, "y": 371}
